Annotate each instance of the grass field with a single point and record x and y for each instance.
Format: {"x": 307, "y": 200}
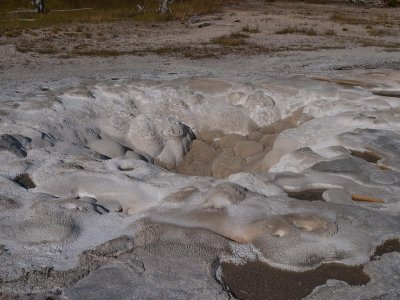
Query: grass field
{"x": 101, "y": 11}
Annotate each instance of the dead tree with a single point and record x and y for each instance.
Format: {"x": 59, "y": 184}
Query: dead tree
{"x": 164, "y": 6}
{"x": 40, "y": 5}
{"x": 141, "y": 8}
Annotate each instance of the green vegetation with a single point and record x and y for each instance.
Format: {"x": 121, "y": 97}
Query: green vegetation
{"x": 100, "y": 11}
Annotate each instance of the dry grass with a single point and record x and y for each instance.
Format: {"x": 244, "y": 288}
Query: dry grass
{"x": 46, "y": 48}
{"x": 102, "y": 11}
{"x": 232, "y": 40}
{"x": 330, "y": 32}
{"x": 381, "y": 19}
{"x": 369, "y": 42}
{"x": 184, "y": 51}
{"x": 297, "y": 30}
{"x": 251, "y": 29}
{"x": 345, "y": 19}
{"x": 75, "y": 36}
{"x": 207, "y": 50}
{"x": 381, "y": 32}
{"x": 183, "y": 10}
{"x": 101, "y": 53}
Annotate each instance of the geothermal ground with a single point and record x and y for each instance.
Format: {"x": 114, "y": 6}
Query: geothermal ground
{"x": 251, "y": 175}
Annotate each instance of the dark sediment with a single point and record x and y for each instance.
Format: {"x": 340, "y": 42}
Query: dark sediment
{"x": 25, "y": 181}
{"x": 391, "y": 245}
{"x": 257, "y": 280}
{"x": 367, "y": 156}
{"x": 309, "y": 195}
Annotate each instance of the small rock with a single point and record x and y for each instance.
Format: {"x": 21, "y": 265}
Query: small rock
{"x": 25, "y": 181}
{"x": 206, "y": 24}
{"x": 11, "y": 144}
{"x": 3, "y": 249}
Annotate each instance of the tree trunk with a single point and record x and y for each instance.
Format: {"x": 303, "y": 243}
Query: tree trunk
{"x": 41, "y": 6}
{"x": 164, "y": 6}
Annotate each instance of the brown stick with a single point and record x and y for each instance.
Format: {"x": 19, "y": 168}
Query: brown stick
{"x": 362, "y": 198}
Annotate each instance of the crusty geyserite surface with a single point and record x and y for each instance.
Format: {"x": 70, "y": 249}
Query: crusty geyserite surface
{"x": 89, "y": 209}
{"x": 75, "y": 224}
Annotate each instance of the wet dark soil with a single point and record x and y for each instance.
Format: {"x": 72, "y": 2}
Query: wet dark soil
{"x": 391, "y": 245}
{"x": 25, "y": 181}
{"x": 258, "y": 280}
{"x": 309, "y": 195}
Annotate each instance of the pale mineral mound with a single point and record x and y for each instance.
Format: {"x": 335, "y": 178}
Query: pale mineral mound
{"x": 143, "y": 189}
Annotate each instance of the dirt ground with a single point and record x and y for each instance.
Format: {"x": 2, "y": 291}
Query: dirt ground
{"x": 254, "y": 38}
{"x": 260, "y": 27}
